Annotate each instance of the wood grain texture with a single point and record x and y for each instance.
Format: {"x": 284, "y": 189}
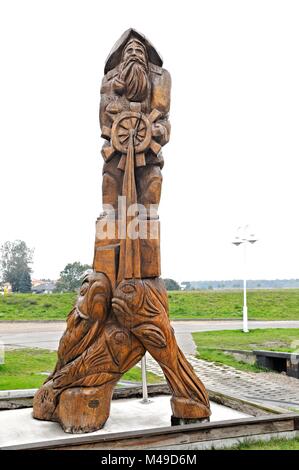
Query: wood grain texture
{"x": 122, "y": 308}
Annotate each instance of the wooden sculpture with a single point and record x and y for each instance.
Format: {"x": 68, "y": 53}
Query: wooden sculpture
{"x": 122, "y": 308}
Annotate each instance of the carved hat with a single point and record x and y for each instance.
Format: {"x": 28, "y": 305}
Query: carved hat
{"x": 115, "y": 56}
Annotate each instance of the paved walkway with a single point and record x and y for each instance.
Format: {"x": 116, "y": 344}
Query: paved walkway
{"x": 47, "y": 334}
{"x": 265, "y": 388}
{"x": 268, "y": 388}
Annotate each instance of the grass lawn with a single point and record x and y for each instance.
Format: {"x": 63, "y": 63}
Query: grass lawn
{"x": 24, "y": 368}
{"x": 273, "y": 444}
{"x": 276, "y": 304}
{"x": 36, "y": 307}
{"x": 210, "y": 344}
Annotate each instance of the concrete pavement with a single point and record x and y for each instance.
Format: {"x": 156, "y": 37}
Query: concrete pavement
{"x": 268, "y": 388}
{"x": 47, "y": 334}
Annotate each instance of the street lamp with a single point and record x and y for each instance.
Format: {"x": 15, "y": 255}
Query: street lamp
{"x": 145, "y": 400}
{"x": 243, "y": 241}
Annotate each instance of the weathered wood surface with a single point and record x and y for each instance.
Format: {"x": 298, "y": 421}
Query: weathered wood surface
{"x": 122, "y": 308}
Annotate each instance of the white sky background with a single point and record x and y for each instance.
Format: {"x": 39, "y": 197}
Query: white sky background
{"x": 233, "y": 154}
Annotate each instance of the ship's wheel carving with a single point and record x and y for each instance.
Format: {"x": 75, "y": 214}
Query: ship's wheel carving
{"x": 141, "y": 125}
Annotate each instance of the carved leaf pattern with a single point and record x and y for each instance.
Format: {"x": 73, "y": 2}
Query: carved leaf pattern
{"x": 150, "y": 335}
{"x": 91, "y": 361}
{"x": 77, "y": 340}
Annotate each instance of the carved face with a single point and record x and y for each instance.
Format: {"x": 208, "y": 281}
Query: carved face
{"x": 134, "y": 50}
{"x": 133, "y": 80}
{"x": 128, "y": 296}
{"x": 135, "y": 298}
{"x": 137, "y": 304}
{"x": 94, "y": 297}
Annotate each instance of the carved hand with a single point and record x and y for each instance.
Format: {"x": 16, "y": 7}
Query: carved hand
{"x": 158, "y": 130}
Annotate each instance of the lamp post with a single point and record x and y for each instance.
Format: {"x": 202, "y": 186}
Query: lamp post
{"x": 145, "y": 399}
{"x": 243, "y": 241}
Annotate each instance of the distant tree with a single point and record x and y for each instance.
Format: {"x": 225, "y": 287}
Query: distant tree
{"x": 15, "y": 262}
{"x": 70, "y": 277}
{"x": 25, "y": 282}
{"x": 170, "y": 284}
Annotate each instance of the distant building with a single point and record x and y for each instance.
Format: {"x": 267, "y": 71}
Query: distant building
{"x": 37, "y": 282}
{"x": 43, "y": 287}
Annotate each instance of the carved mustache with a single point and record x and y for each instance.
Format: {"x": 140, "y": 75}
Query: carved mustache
{"x": 135, "y": 60}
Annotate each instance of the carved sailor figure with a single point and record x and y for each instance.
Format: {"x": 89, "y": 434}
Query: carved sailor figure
{"x": 122, "y": 307}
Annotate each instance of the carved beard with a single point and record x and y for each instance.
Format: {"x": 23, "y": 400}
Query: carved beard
{"x": 133, "y": 79}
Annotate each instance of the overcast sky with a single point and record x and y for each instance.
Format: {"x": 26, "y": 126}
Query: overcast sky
{"x": 233, "y": 154}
